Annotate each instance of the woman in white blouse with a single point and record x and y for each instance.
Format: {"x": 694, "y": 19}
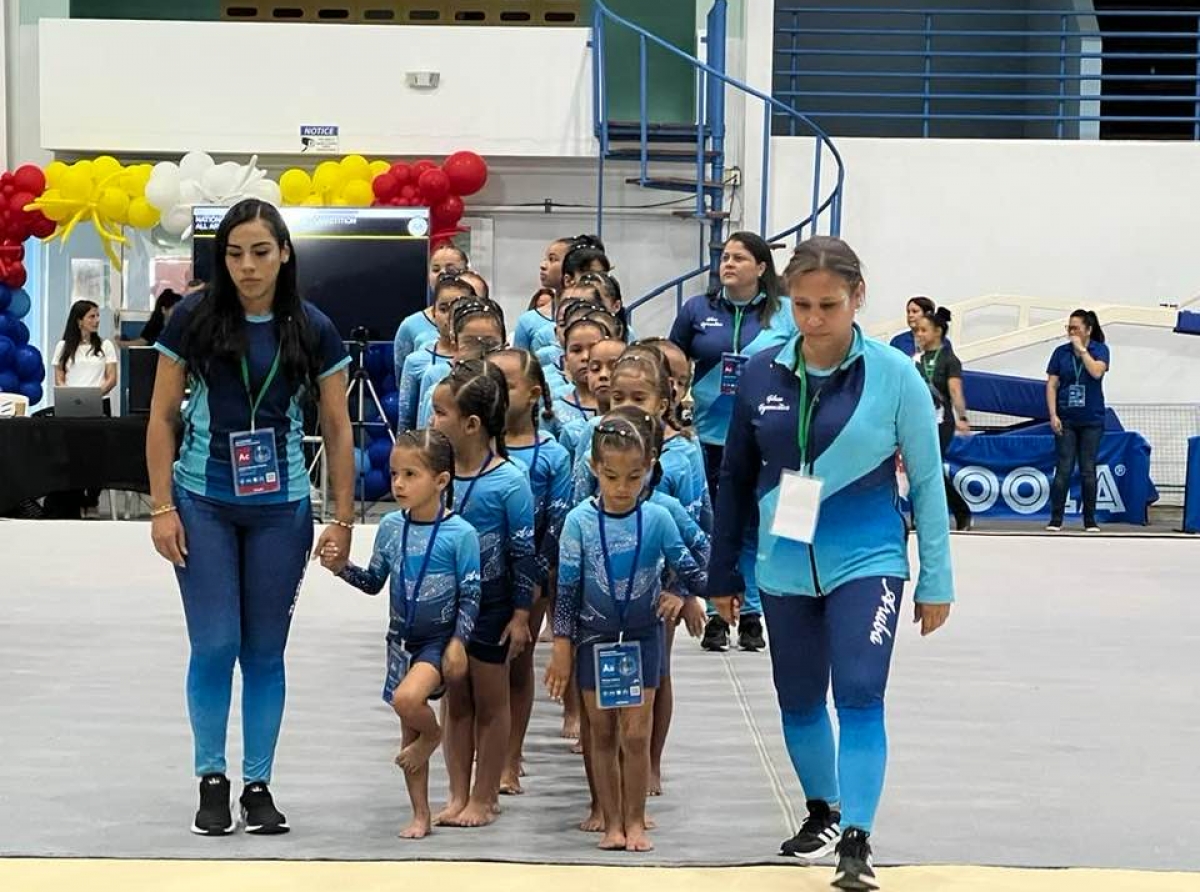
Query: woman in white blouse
{"x": 81, "y": 358}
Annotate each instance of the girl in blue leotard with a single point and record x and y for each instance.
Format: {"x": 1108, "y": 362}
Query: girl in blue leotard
{"x": 432, "y": 558}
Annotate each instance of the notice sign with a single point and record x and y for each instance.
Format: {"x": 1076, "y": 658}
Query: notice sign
{"x": 319, "y": 138}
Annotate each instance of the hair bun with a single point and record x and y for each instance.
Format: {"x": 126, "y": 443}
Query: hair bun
{"x": 943, "y": 313}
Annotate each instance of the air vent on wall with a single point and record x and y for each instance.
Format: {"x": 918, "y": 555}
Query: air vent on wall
{"x": 556, "y": 13}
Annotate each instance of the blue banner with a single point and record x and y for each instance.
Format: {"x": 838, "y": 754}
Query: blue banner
{"x": 1191, "y": 497}
{"x": 1008, "y": 476}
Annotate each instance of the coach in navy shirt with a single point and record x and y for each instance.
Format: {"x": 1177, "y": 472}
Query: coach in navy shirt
{"x": 1075, "y": 397}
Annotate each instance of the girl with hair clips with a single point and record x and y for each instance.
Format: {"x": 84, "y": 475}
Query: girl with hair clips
{"x": 233, "y": 513}
{"x": 477, "y": 328}
{"x": 539, "y": 317}
{"x": 549, "y": 468}
{"x": 471, "y": 408}
{"x": 811, "y": 450}
{"x": 1075, "y": 398}
{"x": 914, "y": 311}
{"x": 719, "y": 332}
{"x": 552, "y": 358}
{"x": 586, "y": 255}
{"x": 448, "y": 291}
{"x": 610, "y": 296}
{"x": 942, "y": 371}
{"x": 608, "y": 623}
{"x": 421, "y": 326}
{"x": 550, "y": 269}
{"x": 434, "y": 601}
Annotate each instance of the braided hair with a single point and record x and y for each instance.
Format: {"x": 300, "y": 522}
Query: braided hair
{"x": 533, "y": 373}
{"x": 617, "y": 433}
{"x": 650, "y": 362}
{"x": 479, "y": 388}
{"x": 651, "y": 429}
{"x": 467, "y": 309}
{"x": 436, "y": 451}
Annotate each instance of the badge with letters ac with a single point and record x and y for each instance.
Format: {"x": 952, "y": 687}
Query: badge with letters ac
{"x": 798, "y": 507}
{"x": 255, "y": 462}
{"x": 731, "y": 372}
{"x": 1076, "y": 396}
{"x": 398, "y": 662}
{"x": 618, "y": 674}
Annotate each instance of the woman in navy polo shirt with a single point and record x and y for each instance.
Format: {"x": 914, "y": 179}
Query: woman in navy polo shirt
{"x": 1075, "y": 397}
{"x": 232, "y": 514}
{"x": 719, "y": 332}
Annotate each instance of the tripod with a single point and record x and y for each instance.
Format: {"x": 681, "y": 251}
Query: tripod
{"x": 360, "y": 388}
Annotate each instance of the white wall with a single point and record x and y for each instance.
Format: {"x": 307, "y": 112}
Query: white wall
{"x": 138, "y": 86}
{"x": 1091, "y": 222}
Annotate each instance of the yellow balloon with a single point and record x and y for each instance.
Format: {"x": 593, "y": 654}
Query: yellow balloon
{"x": 378, "y": 167}
{"x": 55, "y": 212}
{"x": 105, "y": 165}
{"x": 76, "y": 185}
{"x": 54, "y": 172}
{"x": 132, "y": 185}
{"x": 295, "y": 185}
{"x": 329, "y": 178}
{"x": 356, "y": 167}
{"x": 314, "y": 201}
{"x": 86, "y": 168}
{"x": 358, "y": 193}
{"x": 339, "y": 203}
{"x": 142, "y": 214}
{"x": 114, "y": 204}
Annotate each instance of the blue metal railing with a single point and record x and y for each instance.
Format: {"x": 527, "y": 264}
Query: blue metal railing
{"x": 825, "y": 208}
{"x": 959, "y": 67}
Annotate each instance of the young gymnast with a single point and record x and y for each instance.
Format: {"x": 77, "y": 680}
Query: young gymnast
{"x": 494, "y": 496}
{"x": 448, "y": 291}
{"x": 431, "y": 556}
{"x": 608, "y": 618}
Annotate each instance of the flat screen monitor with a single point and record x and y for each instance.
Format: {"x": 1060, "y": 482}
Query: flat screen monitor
{"x": 363, "y": 267}
{"x": 143, "y": 364}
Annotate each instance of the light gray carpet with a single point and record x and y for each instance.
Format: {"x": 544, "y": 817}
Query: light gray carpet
{"x": 1052, "y": 723}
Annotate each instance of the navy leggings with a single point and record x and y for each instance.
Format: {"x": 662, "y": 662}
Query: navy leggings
{"x": 244, "y": 568}
{"x": 752, "y": 605}
{"x": 846, "y": 636}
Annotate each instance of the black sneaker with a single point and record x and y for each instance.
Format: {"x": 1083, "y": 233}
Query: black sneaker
{"x": 854, "y": 869}
{"x": 259, "y": 813}
{"x": 214, "y": 817}
{"x": 750, "y": 633}
{"x": 818, "y": 834}
{"x": 716, "y": 635}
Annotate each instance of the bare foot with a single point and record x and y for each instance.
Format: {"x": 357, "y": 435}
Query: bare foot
{"x": 510, "y": 783}
{"x": 473, "y": 816}
{"x": 613, "y": 841}
{"x": 651, "y": 824}
{"x": 636, "y": 840}
{"x": 496, "y": 809}
{"x": 570, "y": 728}
{"x": 577, "y": 748}
{"x": 655, "y": 785}
{"x": 418, "y": 829}
{"x": 447, "y": 815}
{"x": 416, "y": 755}
{"x": 593, "y": 823}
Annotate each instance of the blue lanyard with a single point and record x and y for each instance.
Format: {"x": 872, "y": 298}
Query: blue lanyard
{"x": 622, "y": 605}
{"x": 487, "y": 460}
{"x": 410, "y": 601}
{"x": 578, "y": 406}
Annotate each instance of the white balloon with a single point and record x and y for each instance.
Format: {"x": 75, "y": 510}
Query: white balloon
{"x": 162, "y": 189}
{"x": 190, "y": 193}
{"x": 193, "y": 165}
{"x": 267, "y": 190}
{"x": 177, "y": 219}
{"x": 220, "y": 181}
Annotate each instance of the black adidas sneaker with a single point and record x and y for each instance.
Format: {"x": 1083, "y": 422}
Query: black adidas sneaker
{"x": 214, "y": 817}
{"x": 854, "y": 870}
{"x": 818, "y": 834}
{"x": 259, "y": 813}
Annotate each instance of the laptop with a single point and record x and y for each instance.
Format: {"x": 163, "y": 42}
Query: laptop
{"x": 78, "y": 402}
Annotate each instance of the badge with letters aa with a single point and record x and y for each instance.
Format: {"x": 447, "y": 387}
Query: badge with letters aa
{"x": 731, "y": 372}
{"x": 1076, "y": 396}
{"x": 255, "y": 462}
{"x": 398, "y": 662}
{"x": 618, "y": 674}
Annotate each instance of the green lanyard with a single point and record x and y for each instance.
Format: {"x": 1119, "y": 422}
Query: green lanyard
{"x": 929, "y": 366}
{"x": 1078, "y": 369}
{"x": 256, "y": 401}
{"x": 738, "y": 312}
{"x": 804, "y": 415}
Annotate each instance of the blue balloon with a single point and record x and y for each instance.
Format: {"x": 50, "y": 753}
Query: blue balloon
{"x": 5, "y": 297}
{"x": 28, "y": 365}
{"x": 376, "y": 484}
{"x": 20, "y": 303}
{"x": 7, "y": 324}
{"x": 32, "y": 392}
{"x": 362, "y": 461}
{"x": 379, "y": 361}
{"x": 380, "y": 451}
{"x": 388, "y": 385}
{"x": 8, "y": 353}
{"x": 391, "y": 407}
{"x": 20, "y": 334}
{"x": 9, "y": 383}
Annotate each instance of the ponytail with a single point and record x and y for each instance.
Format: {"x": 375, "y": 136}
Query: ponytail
{"x": 1092, "y": 321}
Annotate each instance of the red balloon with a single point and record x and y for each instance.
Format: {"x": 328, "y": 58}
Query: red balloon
{"x": 450, "y": 209}
{"x": 8, "y": 190}
{"x": 385, "y": 186}
{"x": 16, "y": 275}
{"x": 408, "y": 192}
{"x": 402, "y": 173}
{"x": 29, "y": 178}
{"x": 434, "y": 186}
{"x": 6, "y": 178}
{"x": 17, "y": 202}
{"x": 43, "y": 226}
{"x": 421, "y": 166}
{"x": 467, "y": 172}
